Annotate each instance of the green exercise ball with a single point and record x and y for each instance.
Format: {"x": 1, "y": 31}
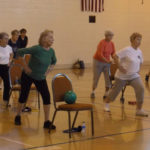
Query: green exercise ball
{"x": 70, "y": 97}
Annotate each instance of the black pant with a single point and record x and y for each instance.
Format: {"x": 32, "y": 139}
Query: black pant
{"x": 4, "y": 74}
{"x": 41, "y": 86}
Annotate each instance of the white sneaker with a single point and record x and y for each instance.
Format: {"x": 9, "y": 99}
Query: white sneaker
{"x": 141, "y": 113}
{"x": 106, "y": 107}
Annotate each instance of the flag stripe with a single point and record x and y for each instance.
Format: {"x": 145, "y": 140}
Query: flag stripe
{"x": 95, "y": 5}
{"x": 99, "y": 5}
{"x": 89, "y": 5}
{"x": 85, "y": 5}
{"x": 92, "y": 5}
{"x": 102, "y": 5}
{"x": 82, "y": 5}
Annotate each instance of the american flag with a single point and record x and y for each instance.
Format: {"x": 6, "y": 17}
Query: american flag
{"x": 92, "y": 5}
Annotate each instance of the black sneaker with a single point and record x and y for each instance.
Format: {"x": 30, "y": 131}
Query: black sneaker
{"x": 104, "y": 97}
{"x": 26, "y": 109}
{"x": 146, "y": 78}
{"x": 47, "y": 125}
{"x": 18, "y": 120}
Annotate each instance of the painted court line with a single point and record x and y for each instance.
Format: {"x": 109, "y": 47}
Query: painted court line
{"x": 50, "y": 148}
{"x": 13, "y": 141}
{"x": 87, "y": 139}
{"x": 109, "y": 138}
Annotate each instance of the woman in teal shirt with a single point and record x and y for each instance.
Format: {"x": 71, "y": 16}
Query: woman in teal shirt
{"x": 41, "y": 63}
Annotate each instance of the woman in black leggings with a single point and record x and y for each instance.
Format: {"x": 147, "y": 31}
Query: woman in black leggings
{"x": 6, "y": 56}
{"x": 41, "y": 63}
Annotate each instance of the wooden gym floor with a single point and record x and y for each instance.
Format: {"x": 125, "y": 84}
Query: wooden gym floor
{"x": 119, "y": 130}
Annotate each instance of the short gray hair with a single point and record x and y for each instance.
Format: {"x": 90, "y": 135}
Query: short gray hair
{"x": 109, "y": 32}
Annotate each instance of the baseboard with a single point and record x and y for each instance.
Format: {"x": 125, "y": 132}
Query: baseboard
{"x": 146, "y": 63}
{"x": 89, "y": 65}
{"x": 69, "y": 66}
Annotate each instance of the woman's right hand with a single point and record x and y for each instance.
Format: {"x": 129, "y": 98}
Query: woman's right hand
{"x": 27, "y": 70}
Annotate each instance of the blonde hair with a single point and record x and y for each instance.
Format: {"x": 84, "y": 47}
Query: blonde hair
{"x": 134, "y": 36}
{"x": 14, "y": 32}
{"x": 43, "y": 35}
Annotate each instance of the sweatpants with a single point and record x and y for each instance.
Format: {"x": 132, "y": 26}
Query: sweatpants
{"x": 98, "y": 68}
{"x": 119, "y": 84}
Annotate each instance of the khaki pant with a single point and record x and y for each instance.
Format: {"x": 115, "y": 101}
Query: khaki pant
{"x": 119, "y": 84}
{"x": 98, "y": 68}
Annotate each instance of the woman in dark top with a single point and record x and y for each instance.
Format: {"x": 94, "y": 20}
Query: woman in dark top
{"x": 13, "y": 42}
{"x": 41, "y": 63}
{"x": 23, "y": 39}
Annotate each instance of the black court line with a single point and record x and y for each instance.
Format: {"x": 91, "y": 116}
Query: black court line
{"x": 87, "y": 139}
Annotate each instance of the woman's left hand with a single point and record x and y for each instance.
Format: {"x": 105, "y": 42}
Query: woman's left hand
{"x": 49, "y": 70}
{"x": 9, "y": 64}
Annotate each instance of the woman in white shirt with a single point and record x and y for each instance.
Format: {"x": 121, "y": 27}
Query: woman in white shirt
{"x": 6, "y": 56}
{"x": 129, "y": 61}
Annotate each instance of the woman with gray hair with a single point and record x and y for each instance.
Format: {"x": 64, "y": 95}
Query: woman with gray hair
{"x": 41, "y": 63}
{"x": 129, "y": 62}
{"x": 101, "y": 63}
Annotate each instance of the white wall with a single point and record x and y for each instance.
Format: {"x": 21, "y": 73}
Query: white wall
{"x": 74, "y": 36}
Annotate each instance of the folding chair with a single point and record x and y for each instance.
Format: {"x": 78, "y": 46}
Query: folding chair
{"x": 27, "y": 58}
{"x": 60, "y": 85}
{"x": 113, "y": 69}
{"x": 15, "y": 73}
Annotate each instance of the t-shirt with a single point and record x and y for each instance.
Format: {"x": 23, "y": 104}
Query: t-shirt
{"x": 22, "y": 42}
{"x": 5, "y": 54}
{"x": 14, "y": 46}
{"x": 104, "y": 49}
{"x": 130, "y": 59}
{"x": 40, "y": 60}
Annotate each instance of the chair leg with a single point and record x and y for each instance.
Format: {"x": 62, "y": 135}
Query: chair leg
{"x": 92, "y": 122}
{"x": 9, "y": 98}
{"x": 69, "y": 122}
{"x": 75, "y": 118}
{"x": 122, "y": 95}
{"x": 53, "y": 120}
{"x": 38, "y": 94}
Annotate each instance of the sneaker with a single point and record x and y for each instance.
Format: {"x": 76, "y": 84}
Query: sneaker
{"x": 47, "y": 125}
{"x": 104, "y": 97}
{"x": 26, "y": 109}
{"x": 141, "y": 113}
{"x": 146, "y": 78}
{"x": 18, "y": 120}
{"x": 92, "y": 95}
{"x": 106, "y": 107}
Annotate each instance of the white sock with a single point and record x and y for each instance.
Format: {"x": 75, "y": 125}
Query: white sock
{"x": 106, "y": 105}
{"x": 139, "y": 110}
{"x": 93, "y": 92}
